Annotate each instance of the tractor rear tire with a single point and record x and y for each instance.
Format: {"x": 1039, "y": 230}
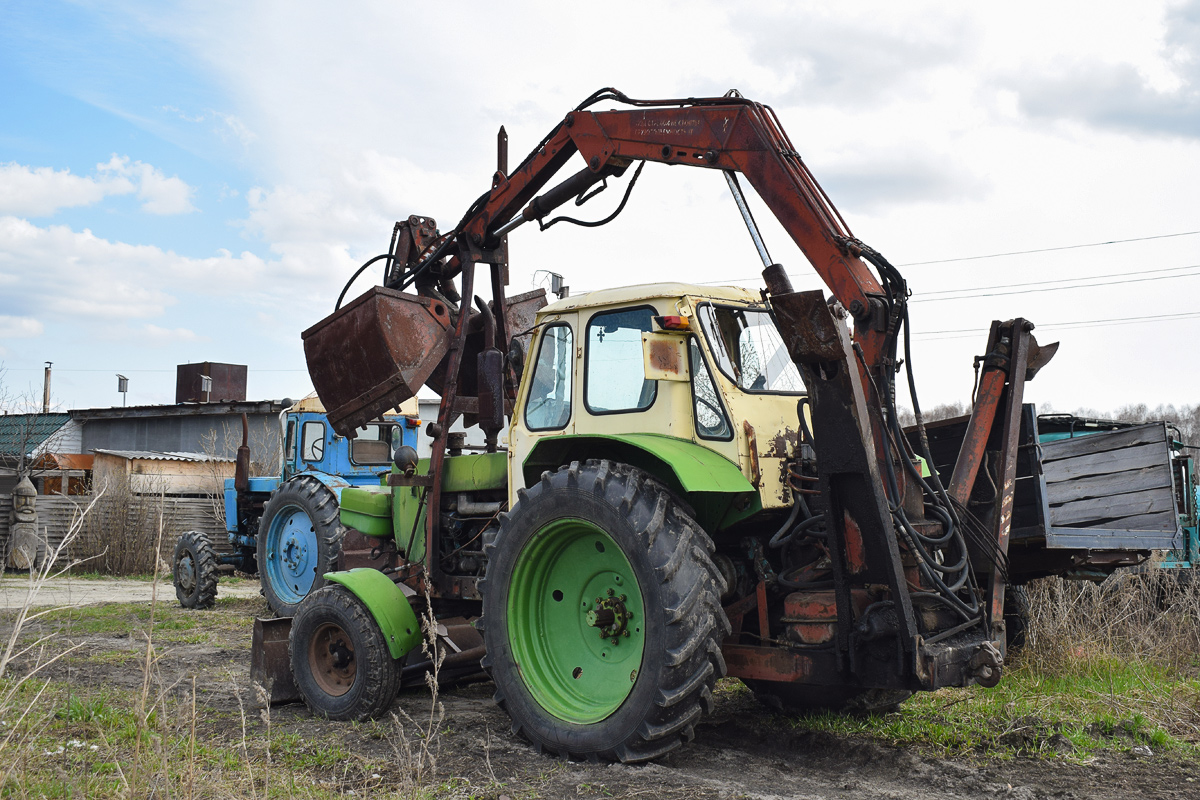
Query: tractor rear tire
{"x": 195, "y": 570}
{"x": 339, "y": 656}
{"x": 602, "y": 615}
{"x": 299, "y": 540}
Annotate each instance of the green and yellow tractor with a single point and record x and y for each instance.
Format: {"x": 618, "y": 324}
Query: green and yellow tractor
{"x": 672, "y": 483}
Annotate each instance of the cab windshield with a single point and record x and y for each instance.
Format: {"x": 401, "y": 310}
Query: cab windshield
{"x": 748, "y": 349}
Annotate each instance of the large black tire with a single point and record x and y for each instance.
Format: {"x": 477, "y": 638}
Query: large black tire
{"x": 800, "y": 699}
{"x": 195, "y": 570}
{"x": 340, "y": 659}
{"x": 669, "y": 556}
{"x": 294, "y": 553}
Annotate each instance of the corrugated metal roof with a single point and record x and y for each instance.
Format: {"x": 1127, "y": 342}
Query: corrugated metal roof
{"x": 27, "y": 431}
{"x": 64, "y": 461}
{"x": 155, "y": 455}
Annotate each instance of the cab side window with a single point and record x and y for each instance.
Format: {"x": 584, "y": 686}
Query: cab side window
{"x": 372, "y": 444}
{"x": 312, "y": 441}
{"x": 616, "y": 378}
{"x": 711, "y": 422}
{"x": 549, "y": 403}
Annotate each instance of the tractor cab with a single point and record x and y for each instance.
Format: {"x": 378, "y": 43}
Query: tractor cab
{"x": 690, "y": 383}
{"x": 311, "y": 444}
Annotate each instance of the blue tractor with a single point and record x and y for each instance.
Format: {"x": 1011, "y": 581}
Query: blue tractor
{"x": 286, "y": 527}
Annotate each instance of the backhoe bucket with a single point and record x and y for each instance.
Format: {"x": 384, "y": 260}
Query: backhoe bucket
{"x": 375, "y": 353}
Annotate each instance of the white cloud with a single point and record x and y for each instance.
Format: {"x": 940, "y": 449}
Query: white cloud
{"x": 161, "y": 195}
{"x": 166, "y": 336}
{"x": 42, "y": 191}
{"x": 29, "y": 192}
{"x": 19, "y": 327}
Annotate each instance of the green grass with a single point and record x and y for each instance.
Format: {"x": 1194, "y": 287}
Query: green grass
{"x": 1105, "y": 704}
{"x": 102, "y": 743}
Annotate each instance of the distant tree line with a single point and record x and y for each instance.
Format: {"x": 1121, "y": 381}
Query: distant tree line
{"x": 1185, "y": 418}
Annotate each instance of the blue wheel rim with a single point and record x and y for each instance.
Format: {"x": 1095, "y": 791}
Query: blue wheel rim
{"x": 291, "y": 554}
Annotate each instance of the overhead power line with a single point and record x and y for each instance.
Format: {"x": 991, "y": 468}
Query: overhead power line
{"x": 959, "y": 333}
{"x": 924, "y": 299}
{"x": 1049, "y": 249}
{"x": 986, "y": 255}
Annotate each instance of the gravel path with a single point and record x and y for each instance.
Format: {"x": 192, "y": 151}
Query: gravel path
{"x": 68, "y": 591}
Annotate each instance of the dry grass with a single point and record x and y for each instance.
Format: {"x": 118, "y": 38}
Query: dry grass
{"x": 153, "y": 736}
{"x": 1151, "y": 617}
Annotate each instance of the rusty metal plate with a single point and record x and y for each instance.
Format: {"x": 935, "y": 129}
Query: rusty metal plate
{"x": 664, "y": 357}
{"x": 375, "y": 353}
{"x": 809, "y": 330}
{"x": 270, "y": 666}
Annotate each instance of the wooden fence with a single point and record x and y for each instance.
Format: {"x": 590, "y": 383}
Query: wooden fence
{"x": 56, "y": 514}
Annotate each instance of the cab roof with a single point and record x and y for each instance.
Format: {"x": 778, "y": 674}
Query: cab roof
{"x": 650, "y": 291}
{"x": 313, "y": 404}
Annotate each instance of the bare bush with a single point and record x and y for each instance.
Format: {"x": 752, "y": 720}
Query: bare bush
{"x": 265, "y": 459}
{"x": 121, "y": 534}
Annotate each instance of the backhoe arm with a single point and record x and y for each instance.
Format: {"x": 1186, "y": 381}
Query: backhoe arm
{"x": 729, "y": 134}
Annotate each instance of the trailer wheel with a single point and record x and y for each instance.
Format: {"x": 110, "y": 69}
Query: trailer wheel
{"x": 339, "y": 657}
{"x": 1016, "y": 617}
{"x": 195, "y": 570}
{"x": 798, "y": 699}
{"x": 602, "y": 615}
{"x": 299, "y": 540}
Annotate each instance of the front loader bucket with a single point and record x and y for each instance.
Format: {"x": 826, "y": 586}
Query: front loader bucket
{"x": 270, "y": 666}
{"x": 375, "y": 353}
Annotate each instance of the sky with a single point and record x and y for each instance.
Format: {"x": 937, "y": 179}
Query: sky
{"x": 196, "y": 182}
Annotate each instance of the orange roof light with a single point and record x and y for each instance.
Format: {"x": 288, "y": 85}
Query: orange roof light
{"x": 675, "y": 323}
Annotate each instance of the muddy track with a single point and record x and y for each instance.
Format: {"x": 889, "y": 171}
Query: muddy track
{"x": 739, "y": 751}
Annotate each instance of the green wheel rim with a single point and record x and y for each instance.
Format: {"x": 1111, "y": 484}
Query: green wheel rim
{"x": 573, "y": 594}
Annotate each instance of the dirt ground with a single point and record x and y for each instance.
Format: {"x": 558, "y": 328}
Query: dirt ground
{"x": 71, "y": 591}
{"x": 740, "y": 752}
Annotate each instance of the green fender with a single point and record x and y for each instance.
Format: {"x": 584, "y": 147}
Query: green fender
{"x": 391, "y": 609}
{"x": 714, "y": 485}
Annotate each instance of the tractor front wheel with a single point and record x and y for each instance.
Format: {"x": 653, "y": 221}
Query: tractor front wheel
{"x": 195, "y": 570}
{"x": 339, "y": 657}
{"x": 602, "y": 615}
{"x": 299, "y": 540}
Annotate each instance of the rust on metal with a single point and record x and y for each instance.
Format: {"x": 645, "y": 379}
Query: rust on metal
{"x": 375, "y": 353}
{"x": 1008, "y": 458}
{"x": 767, "y": 664}
{"x": 270, "y": 665}
{"x": 764, "y": 620}
{"x": 811, "y": 617}
{"x": 856, "y": 556}
{"x": 664, "y": 356}
{"x": 752, "y": 444}
{"x": 979, "y": 429}
{"x": 810, "y": 332}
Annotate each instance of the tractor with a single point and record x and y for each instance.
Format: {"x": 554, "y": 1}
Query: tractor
{"x": 675, "y": 483}
{"x": 286, "y": 527}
